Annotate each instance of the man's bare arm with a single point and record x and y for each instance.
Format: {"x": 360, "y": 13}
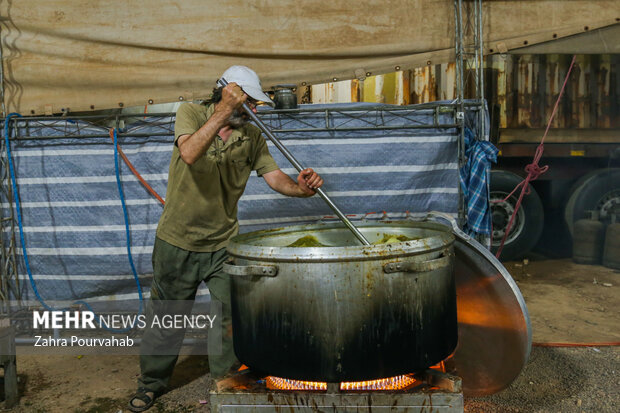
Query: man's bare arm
{"x": 307, "y": 182}
{"x": 192, "y": 147}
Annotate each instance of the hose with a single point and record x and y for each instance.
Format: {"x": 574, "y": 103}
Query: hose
{"x": 133, "y": 170}
{"x": 18, "y": 213}
{"x": 605, "y": 344}
{"x": 126, "y": 218}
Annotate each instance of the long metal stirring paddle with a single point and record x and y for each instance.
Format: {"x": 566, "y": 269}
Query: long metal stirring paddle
{"x": 300, "y": 168}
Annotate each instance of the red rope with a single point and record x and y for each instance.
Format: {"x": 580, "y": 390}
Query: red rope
{"x": 135, "y": 172}
{"x": 607, "y": 344}
{"x": 533, "y": 170}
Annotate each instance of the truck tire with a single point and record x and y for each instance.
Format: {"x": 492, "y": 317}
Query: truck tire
{"x": 528, "y": 223}
{"x": 597, "y": 191}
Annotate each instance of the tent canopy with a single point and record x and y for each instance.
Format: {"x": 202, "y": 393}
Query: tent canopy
{"x": 83, "y": 54}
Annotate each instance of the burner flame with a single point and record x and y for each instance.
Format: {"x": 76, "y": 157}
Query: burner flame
{"x": 278, "y": 383}
{"x": 390, "y": 383}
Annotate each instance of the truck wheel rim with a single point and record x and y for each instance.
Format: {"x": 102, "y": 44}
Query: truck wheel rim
{"x": 609, "y": 204}
{"x": 501, "y": 211}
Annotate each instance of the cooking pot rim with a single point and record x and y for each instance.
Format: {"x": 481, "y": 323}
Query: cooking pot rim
{"x": 444, "y": 238}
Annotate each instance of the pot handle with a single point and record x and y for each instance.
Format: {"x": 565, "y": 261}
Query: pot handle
{"x": 412, "y": 266}
{"x": 266, "y": 270}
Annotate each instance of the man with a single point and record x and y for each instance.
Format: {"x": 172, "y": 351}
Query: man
{"x": 215, "y": 151}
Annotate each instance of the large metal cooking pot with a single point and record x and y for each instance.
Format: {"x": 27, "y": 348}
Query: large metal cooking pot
{"x": 345, "y": 312}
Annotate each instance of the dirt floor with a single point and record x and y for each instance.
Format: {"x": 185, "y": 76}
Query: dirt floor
{"x": 567, "y": 303}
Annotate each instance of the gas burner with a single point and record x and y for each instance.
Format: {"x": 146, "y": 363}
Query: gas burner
{"x": 419, "y": 392}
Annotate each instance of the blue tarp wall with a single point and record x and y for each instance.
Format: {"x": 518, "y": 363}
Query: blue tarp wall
{"x": 73, "y": 221}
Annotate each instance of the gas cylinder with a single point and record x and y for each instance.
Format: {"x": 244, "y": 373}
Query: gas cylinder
{"x": 611, "y": 254}
{"x": 588, "y": 240}
{"x": 285, "y": 97}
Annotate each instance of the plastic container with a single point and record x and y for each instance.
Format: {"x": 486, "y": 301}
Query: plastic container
{"x": 588, "y": 240}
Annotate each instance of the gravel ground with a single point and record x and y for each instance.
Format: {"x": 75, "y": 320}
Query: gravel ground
{"x": 555, "y": 380}
{"x": 189, "y": 398}
{"x": 562, "y": 380}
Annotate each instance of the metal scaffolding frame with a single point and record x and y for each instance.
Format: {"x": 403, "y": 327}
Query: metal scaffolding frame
{"x": 469, "y": 52}
{"x": 9, "y": 281}
{"x": 469, "y": 49}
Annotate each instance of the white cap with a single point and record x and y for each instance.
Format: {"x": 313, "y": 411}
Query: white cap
{"x": 248, "y": 80}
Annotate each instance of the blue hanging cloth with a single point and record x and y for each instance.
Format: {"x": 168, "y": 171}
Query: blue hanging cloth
{"x": 474, "y": 178}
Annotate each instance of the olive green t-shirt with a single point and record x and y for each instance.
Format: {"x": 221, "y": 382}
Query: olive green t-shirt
{"x": 201, "y": 200}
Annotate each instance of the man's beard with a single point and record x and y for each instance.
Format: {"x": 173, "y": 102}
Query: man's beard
{"x": 238, "y": 119}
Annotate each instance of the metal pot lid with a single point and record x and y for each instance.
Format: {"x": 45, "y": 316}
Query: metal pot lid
{"x": 495, "y": 333}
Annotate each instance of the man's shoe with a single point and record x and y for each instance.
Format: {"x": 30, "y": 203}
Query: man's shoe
{"x": 141, "y": 401}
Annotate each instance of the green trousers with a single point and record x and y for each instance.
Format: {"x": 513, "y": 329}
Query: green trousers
{"x": 177, "y": 273}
